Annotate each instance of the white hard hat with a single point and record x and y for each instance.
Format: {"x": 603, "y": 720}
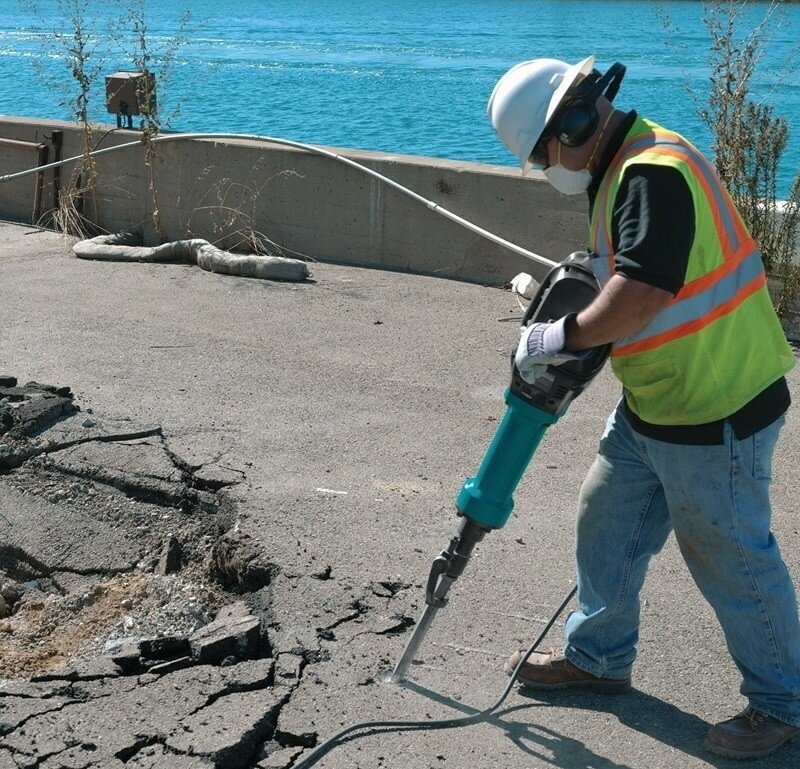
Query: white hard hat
{"x": 526, "y": 98}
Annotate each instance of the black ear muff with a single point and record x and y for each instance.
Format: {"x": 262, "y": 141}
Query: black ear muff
{"x": 577, "y": 123}
{"x": 578, "y": 119}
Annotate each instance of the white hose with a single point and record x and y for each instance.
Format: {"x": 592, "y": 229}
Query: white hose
{"x": 309, "y": 148}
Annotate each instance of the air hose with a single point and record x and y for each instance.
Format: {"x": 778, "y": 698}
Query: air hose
{"x": 380, "y": 727}
{"x": 309, "y": 148}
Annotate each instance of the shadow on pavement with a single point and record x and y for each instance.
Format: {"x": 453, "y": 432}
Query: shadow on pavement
{"x": 637, "y": 710}
{"x": 543, "y": 743}
{"x": 655, "y": 718}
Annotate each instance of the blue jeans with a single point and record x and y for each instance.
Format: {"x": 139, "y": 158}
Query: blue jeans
{"x": 716, "y": 498}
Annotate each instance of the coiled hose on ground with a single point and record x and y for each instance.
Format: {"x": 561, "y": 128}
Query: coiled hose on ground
{"x": 127, "y": 247}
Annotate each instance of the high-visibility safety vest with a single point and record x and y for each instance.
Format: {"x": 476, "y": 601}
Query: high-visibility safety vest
{"x": 718, "y": 343}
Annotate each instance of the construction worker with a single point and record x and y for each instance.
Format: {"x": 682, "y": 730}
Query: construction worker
{"x": 702, "y": 357}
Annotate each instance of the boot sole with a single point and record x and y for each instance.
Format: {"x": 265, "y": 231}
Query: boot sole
{"x": 746, "y": 755}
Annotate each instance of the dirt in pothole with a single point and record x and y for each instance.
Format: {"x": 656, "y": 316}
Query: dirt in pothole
{"x": 48, "y": 629}
{"x": 117, "y": 480}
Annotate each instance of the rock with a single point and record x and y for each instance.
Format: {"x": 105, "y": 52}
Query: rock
{"x": 397, "y": 623}
{"x": 3, "y": 607}
{"x": 171, "y": 556}
{"x": 224, "y": 637}
{"x": 127, "y": 657}
{"x": 287, "y": 669}
{"x": 88, "y": 422}
{"x": 164, "y": 648}
{"x": 12, "y": 591}
{"x": 117, "y": 644}
{"x": 36, "y": 407}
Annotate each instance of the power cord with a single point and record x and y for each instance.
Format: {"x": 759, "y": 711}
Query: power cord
{"x": 379, "y": 727}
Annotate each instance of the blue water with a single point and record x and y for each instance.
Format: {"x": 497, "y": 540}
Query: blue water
{"x": 405, "y": 76}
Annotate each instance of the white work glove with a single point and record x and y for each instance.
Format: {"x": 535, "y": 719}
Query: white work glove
{"x": 542, "y": 345}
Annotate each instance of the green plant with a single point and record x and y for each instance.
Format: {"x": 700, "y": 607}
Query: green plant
{"x": 749, "y": 141}
{"x": 155, "y": 65}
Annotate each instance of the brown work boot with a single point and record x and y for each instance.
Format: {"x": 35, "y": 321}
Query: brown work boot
{"x": 751, "y": 734}
{"x": 552, "y": 670}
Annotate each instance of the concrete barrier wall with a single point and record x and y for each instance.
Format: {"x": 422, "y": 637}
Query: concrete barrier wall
{"x": 314, "y": 205}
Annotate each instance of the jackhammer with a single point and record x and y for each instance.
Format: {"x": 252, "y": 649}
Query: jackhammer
{"x": 486, "y": 500}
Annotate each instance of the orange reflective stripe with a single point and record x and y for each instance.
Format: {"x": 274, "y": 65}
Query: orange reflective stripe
{"x": 601, "y": 203}
{"x": 727, "y": 222}
{"x": 693, "y": 326}
{"x": 709, "y": 279}
{"x": 722, "y": 231}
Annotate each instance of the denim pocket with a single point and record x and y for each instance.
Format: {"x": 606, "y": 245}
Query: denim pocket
{"x": 763, "y": 447}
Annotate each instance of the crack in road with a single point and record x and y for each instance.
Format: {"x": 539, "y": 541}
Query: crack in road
{"x": 18, "y": 554}
{"x": 187, "y": 495}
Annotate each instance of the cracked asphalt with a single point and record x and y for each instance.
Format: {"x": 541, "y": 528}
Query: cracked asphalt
{"x": 302, "y": 444}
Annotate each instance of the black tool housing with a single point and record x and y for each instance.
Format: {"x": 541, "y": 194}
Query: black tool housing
{"x": 568, "y": 287}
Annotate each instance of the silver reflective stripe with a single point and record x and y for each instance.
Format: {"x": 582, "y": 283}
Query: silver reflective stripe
{"x": 695, "y": 307}
{"x": 600, "y": 268}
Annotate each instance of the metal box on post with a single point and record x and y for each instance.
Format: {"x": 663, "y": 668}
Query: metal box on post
{"x": 130, "y": 93}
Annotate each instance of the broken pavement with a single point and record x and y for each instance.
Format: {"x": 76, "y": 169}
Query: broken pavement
{"x": 288, "y": 456}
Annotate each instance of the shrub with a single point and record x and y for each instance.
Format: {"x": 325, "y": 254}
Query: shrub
{"x": 749, "y": 142}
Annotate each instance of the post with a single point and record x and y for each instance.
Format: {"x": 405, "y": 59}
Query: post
{"x": 37, "y": 196}
{"x": 57, "y": 139}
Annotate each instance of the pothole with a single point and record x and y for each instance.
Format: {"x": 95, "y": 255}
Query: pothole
{"x": 237, "y": 564}
{"x": 47, "y": 629}
{"x": 123, "y": 571}
{"x": 113, "y": 548}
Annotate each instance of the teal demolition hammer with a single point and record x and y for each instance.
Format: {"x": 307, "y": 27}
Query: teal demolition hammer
{"x": 486, "y": 500}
